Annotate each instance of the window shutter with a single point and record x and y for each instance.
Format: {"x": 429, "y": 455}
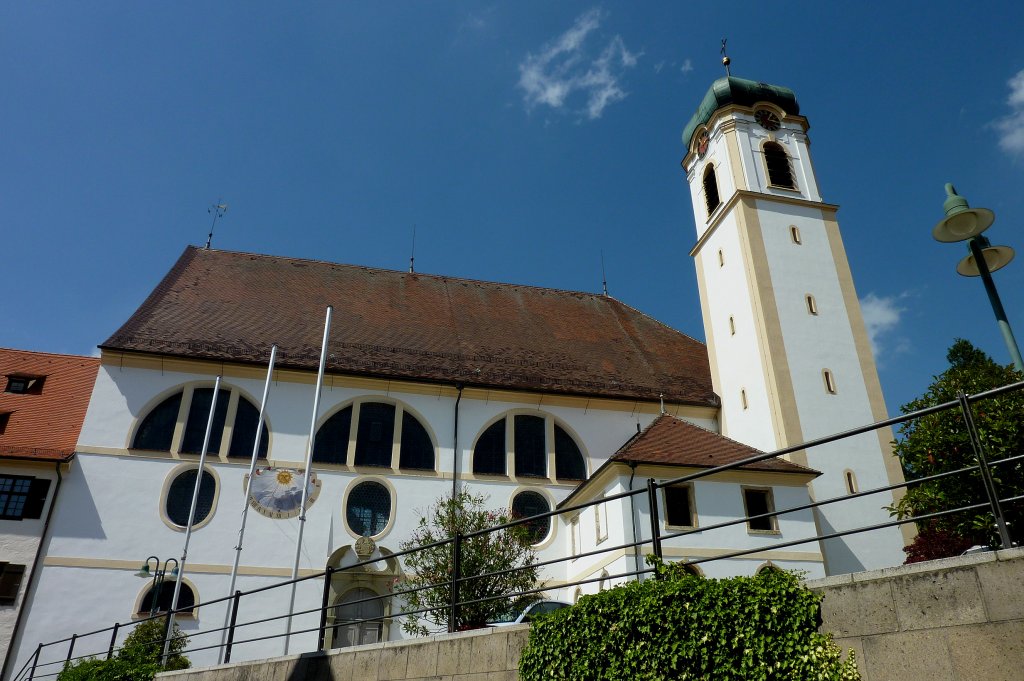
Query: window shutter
{"x": 10, "y": 582}
{"x": 36, "y": 498}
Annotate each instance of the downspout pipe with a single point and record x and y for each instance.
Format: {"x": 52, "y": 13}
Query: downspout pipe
{"x": 455, "y": 445}
{"x": 34, "y": 574}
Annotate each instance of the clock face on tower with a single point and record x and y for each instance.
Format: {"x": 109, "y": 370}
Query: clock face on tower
{"x": 703, "y": 140}
{"x": 277, "y": 492}
{"x": 767, "y": 120}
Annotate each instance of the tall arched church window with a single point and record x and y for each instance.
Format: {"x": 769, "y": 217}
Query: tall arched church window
{"x": 776, "y": 161}
{"x": 382, "y": 428}
{"x": 234, "y": 424}
{"x": 536, "y": 442}
{"x": 711, "y": 198}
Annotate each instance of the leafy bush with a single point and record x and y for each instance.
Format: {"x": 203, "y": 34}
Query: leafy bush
{"x": 502, "y": 550}
{"x": 679, "y": 626}
{"x": 939, "y": 442}
{"x": 137, "y": 660}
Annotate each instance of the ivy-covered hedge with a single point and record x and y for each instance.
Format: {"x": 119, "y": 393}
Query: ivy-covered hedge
{"x": 679, "y": 626}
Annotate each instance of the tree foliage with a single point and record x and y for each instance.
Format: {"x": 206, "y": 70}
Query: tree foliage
{"x": 939, "y": 442}
{"x": 137, "y": 660}
{"x": 681, "y": 626}
{"x": 491, "y": 552}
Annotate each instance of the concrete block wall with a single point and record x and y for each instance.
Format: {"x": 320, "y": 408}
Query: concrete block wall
{"x": 958, "y": 619}
{"x": 482, "y": 655}
{"x": 955, "y": 619}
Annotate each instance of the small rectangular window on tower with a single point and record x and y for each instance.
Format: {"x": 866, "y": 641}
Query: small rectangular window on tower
{"x": 794, "y": 233}
{"x": 830, "y": 381}
{"x": 812, "y": 305}
{"x": 732, "y": 326}
{"x": 743, "y": 398}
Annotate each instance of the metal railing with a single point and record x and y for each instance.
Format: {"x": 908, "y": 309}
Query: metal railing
{"x": 238, "y": 633}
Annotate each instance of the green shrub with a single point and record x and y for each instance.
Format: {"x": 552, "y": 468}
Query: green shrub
{"x": 137, "y": 660}
{"x": 679, "y": 626}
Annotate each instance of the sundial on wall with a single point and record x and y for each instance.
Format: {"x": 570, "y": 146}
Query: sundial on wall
{"x": 277, "y": 492}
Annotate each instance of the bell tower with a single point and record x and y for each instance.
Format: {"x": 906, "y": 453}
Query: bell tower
{"x": 790, "y": 356}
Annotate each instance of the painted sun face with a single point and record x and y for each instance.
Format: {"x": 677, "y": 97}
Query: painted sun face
{"x": 284, "y": 477}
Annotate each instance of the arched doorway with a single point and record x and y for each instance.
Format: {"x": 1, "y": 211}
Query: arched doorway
{"x": 360, "y": 597}
{"x": 358, "y": 618}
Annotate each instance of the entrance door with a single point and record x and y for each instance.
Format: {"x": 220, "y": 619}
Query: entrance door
{"x": 349, "y": 613}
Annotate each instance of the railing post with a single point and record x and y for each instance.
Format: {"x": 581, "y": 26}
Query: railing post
{"x": 71, "y": 648}
{"x": 321, "y": 639}
{"x": 113, "y": 640}
{"x": 35, "y": 661}
{"x": 986, "y": 475}
{"x": 167, "y": 635}
{"x": 231, "y": 626}
{"x": 453, "y": 621}
{"x": 652, "y": 498}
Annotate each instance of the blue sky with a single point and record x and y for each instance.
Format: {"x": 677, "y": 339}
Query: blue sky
{"x": 521, "y": 139}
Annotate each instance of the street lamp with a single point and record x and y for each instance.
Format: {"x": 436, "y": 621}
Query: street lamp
{"x": 963, "y": 223}
{"x": 158, "y": 578}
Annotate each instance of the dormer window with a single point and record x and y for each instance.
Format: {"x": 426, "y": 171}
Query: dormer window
{"x": 24, "y": 384}
{"x": 711, "y": 190}
{"x": 776, "y": 161}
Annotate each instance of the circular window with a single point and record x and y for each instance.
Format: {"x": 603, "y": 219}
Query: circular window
{"x": 527, "y": 504}
{"x": 368, "y": 509}
{"x": 179, "y": 497}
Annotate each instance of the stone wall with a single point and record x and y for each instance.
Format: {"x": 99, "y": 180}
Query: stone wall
{"x": 945, "y": 620}
{"x": 482, "y": 655}
{"x": 958, "y": 619}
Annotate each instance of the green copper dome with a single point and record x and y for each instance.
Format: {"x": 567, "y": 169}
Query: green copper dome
{"x": 725, "y": 91}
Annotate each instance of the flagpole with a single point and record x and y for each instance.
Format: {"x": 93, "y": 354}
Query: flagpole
{"x": 191, "y": 519}
{"x": 248, "y": 489}
{"x": 305, "y": 479}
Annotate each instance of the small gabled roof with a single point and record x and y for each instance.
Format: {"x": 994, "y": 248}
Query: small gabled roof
{"x": 226, "y": 306}
{"x": 672, "y": 441}
{"x": 44, "y": 422}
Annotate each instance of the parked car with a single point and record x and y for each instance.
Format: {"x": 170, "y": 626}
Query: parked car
{"x": 529, "y": 612}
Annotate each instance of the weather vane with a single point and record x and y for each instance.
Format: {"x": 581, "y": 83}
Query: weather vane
{"x": 725, "y": 58}
{"x": 217, "y": 210}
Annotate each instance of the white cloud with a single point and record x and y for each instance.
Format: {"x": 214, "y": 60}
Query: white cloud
{"x": 564, "y": 68}
{"x": 659, "y": 66}
{"x": 687, "y": 66}
{"x": 1011, "y": 127}
{"x": 882, "y": 316}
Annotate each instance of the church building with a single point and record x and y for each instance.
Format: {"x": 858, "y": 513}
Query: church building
{"x": 536, "y": 398}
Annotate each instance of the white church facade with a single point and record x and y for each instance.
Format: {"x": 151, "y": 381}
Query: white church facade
{"x": 536, "y": 398}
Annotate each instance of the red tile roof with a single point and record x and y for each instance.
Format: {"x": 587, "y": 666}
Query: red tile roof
{"x": 45, "y": 425}
{"x": 669, "y": 440}
{"x": 221, "y": 305}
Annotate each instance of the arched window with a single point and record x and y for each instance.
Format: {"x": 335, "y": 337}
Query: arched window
{"x": 780, "y": 173}
{"x": 851, "y": 481}
{"x": 711, "y": 198}
{"x": 234, "y": 424}
{"x": 368, "y": 508}
{"x": 528, "y": 504}
{"x": 358, "y": 618}
{"x": 178, "y": 499}
{"x": 380, "y": 427}
{"x": 534, "y": 439}
{"x": 164, "y": 595}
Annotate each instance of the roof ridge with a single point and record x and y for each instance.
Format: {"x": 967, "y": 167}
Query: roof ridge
{"x": 50, "y": 354}
{"x": 442, "y": 277}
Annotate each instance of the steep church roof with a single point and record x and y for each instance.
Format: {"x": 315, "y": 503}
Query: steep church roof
{"x": 229, "y": 306}
{"x": 43, "y": 403}
{"x": 672, "y": 441}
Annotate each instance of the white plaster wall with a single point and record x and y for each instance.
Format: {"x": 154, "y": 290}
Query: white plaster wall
{"x": 738, "y": 358}
{"x": 813, "y": 343}
{"x": 19, "y": 541}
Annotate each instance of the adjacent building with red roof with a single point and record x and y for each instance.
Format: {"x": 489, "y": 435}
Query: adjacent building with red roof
{"x": 42, "y": 405}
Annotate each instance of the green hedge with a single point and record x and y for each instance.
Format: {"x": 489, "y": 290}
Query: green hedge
{"x": 678, "y": 626}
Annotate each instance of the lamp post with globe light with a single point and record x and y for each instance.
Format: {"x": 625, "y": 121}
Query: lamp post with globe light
{"x": 963, "y": 223}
